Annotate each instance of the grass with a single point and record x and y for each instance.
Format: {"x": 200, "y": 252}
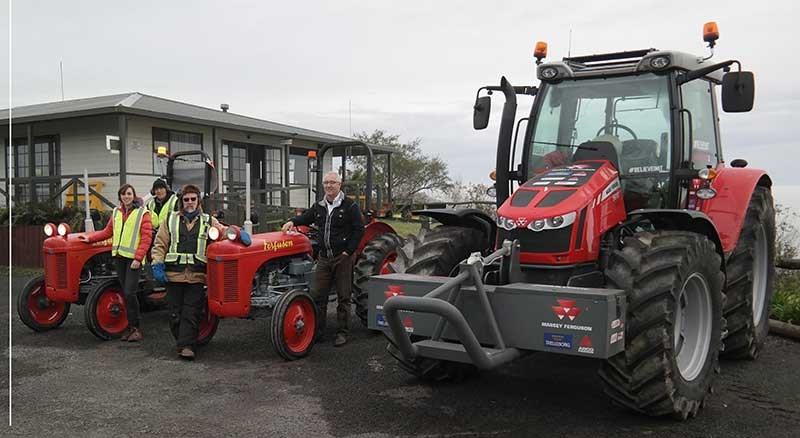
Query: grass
{"x": 786, "y": 301}
{"x": 404, "y": 228}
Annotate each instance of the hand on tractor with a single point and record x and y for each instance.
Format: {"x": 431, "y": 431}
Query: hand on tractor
{"x": 159, "y": 274}
{"x": 83, "y": 238}
{"x": 136, "y": 264}
{"x": 244, "y": 236}
{"x": 287, "y": 226}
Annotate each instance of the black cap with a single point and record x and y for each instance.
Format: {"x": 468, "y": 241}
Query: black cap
{"x": 158, "y": 184}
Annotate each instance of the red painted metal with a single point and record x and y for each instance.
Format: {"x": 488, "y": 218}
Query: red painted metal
{"x": 299, "y": 325}
{"x": 734, "y": 186}
{"x": 390, "y": 258}
{"x": 110, "y": 311}
{"x": 44, "y": 311}
{"x": 64, "y": 258}
{"x": 232, "y": 266}
{"x": 372, "y": 229}
{"x": 206, "y": 326}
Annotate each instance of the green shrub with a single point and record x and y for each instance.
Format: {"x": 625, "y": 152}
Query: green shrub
{"x": 786, "y": 301}
{"x": 40, "y": 214}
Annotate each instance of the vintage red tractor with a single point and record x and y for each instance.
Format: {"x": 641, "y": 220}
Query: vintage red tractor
{"x": 629, "y": 239}
{"x": 79, "y": 273}
{"x": 270, "y": 278}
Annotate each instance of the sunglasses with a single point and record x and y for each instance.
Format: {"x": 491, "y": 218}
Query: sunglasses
{"x": 190, "y": 199}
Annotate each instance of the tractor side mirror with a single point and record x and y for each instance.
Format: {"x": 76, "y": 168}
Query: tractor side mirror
{"x": 480, "y": 115}
{"x": 738, "y": 91}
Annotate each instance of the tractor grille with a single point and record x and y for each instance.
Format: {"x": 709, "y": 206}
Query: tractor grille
{"x": 55, "y": 270}
{"x": 230, "y": 281}
{"x": 543, "y": 242}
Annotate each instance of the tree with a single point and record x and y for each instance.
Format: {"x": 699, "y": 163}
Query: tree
{"x": 413, "y": 172}
{"x": 469, "y": 195}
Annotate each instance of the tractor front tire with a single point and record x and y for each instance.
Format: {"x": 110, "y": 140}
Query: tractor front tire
{"x": 435, "y": 253}
{"x": 36, "y": 311}
{"x": 674, "y": 323}
{"x": 293, "y": 323}
{"x": 750, "y": 279}
{"x": 374, "y": 259}
{"x": 104, "y": 312}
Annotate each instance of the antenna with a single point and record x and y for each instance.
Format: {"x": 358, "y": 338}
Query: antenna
{"x": 61, "y": 68}
{"x": 569, "y": 49}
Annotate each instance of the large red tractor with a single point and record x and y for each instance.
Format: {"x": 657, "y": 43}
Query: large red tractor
{"x": 271, "y": 276}
{"x": 628, "y": 239}
{"x": 80, "y": 273}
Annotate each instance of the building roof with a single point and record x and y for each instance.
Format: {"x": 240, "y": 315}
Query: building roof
{"x": 151, "y": 106}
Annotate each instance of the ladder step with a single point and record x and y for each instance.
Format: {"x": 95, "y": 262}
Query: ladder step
{"x": 448, "y": 351}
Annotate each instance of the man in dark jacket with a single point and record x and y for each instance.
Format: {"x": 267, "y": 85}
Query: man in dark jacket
{"x": 340, "y": 230}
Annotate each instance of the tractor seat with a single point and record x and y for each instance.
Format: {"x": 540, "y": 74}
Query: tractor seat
{"x": 597, "y": 150}
{"x": 639, "y": 156}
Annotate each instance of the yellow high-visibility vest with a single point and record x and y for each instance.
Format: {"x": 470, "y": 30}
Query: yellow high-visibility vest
{"x": 127, "y": 234}
{"x": 173, "y": 256}
{"x": 166, "y": 209}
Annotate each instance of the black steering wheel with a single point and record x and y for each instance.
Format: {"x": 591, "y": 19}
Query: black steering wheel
{"x": 617, "y": 125}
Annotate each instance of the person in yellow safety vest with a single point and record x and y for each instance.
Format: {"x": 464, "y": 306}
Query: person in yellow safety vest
{"x": 162, "y": 203}
{"x": 179, "y": 260}
{"x": 131, "y": 232}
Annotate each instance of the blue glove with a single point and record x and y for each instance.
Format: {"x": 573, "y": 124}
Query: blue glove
{"x": 245, "y": 237}
{"x": 159, "y": 274}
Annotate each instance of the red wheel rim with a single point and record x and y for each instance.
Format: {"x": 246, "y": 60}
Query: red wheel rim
{"x": 110, "y": 311}
{"x": 390, "y": 258}
{"x": 299, "y": 325}
{"x": 206, "y": 325}
{"x": 41, "y": 309}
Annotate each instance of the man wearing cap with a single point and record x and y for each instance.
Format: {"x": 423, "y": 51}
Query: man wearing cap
{"x": 162, "y": 202}
{"x": 341, "y": 228}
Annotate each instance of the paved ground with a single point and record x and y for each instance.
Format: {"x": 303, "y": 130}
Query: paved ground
{"x": 67, "y": 382}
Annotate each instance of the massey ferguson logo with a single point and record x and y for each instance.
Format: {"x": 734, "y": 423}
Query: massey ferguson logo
{"x": 521, "y": 222}
{"x": 394, "y": 291}
{"x": 566, "y": 308}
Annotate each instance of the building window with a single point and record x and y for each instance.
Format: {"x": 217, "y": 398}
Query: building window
{"x": 173, "y": 141}
{"x": 45, "y": 167}
{"x": 298, "y": 166}
{"x": 21, "y": 161}
{"x": 272, "y": 167}
{"x": 234, "y": 159}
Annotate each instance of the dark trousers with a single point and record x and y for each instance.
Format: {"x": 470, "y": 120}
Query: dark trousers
{"x": 129, "y": 280}
{"x": 186, "y": 303}
{"x": 333, "y": 271}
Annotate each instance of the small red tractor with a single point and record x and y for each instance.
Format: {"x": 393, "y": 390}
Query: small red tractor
{"x": 80, "y": 273}
{"x": 628, "y": 239}
{"x": 271, "y": 276}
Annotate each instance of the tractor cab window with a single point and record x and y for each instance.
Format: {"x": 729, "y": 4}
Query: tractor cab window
{"x": 698, "y": 99}
{"x": 632, "y": 113}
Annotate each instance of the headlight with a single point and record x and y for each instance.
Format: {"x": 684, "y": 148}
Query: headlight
{"x": 707, "y": 173}
{"x": 706, "y": 193}
{"x": 506, "y": 223}
{"x": 552, "y": 223}
{"x": 549, "y": 73}
{"x": 232, "y": 233}
{"x": 659, "y": 62}
{"x": 49, "y": 230}
{"x": 213, "y": 233}
{"x": 63, "y": 230}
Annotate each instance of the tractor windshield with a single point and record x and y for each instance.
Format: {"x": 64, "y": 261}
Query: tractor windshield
{"x": 632, "y": 113}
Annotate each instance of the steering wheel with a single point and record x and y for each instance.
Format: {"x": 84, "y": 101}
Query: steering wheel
{"x": 617, "y": 125}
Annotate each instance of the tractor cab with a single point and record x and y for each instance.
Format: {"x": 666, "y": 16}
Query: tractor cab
{"x": 192, "y": 167}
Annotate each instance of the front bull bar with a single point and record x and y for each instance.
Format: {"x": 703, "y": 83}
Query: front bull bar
{"x": 469, "y": 272}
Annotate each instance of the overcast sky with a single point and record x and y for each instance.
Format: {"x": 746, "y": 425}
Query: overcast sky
{"x": 410, "y": 68}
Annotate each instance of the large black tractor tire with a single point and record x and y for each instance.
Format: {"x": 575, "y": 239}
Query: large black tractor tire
{"x": 104, "y": 311}
{"x": 750, "y": 279}
{"x": 674, "y": 323}
{"x": 374, "y": 259}
{"x": 435, "y": 253}
{"x": 36, "y": 311}
{"x": 293, "y": 324}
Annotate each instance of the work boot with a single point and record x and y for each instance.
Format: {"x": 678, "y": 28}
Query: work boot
{"x": 340, "y": 340}
{"x": 126, "y": 334}
{"x": 136, "y": 335}
{"x": 186, "y": 353}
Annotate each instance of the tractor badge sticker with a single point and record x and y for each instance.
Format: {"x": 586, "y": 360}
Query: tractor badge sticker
{"x": 566, "y": 308}
{"x": 586, "y": 346}
{"x": 275, "y": 246}
{"x": 394, "y": 291}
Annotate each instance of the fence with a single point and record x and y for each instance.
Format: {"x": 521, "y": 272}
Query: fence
{"x": 26, "y": 246}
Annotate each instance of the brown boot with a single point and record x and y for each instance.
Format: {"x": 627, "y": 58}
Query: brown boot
{"x": 126, "y": 334}
{"x": 136, "y": 335}
{"x": 340, "y": 340}
{"x": 186, "y": 353}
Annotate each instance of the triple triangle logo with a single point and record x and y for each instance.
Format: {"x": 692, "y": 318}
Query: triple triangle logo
{"x": 565, "y": 308}
{"x": 394, "y": 291}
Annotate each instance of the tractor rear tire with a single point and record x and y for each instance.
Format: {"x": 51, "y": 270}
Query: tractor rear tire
{"x": 750, "y": 279}
{"x": 104, "y": 311}
{"x": 674, "y": 323}
{"x": 374, "y": 259}
{"x": 207, "y": 327}
{"x": 436, "y": 253}
{"x": 36, "y": 311}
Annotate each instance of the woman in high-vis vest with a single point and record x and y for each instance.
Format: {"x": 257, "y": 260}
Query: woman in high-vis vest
{"x": 131, "y": 232}
{"x": 179, "y": 259}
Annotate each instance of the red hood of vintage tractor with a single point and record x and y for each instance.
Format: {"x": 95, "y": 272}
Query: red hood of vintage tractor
{"x": 64, "y": 258}
{"x": 559, "y": 215}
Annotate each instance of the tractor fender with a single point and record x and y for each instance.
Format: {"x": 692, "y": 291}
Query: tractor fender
{"x": 464, "y": 217}
{"x": 684, "y": 220}
{"x": 734, "y": 186}
{"x": 372, "y": 230}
